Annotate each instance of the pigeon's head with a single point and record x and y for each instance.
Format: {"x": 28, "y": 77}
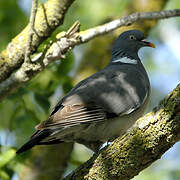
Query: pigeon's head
{"x": 128, "y": 43}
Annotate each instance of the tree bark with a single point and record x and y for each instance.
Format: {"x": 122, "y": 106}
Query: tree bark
{"x": 49, "y": 16}
{"x": 151, "y": 136}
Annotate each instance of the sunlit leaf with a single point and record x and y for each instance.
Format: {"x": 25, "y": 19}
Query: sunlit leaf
{"x": 4, "y": 175}
{"x": 6, "y": 157}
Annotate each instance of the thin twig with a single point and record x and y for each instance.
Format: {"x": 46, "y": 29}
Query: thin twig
{"x": 73, "y": 29}
{"x": 126, "y": 21}
{"x": 31, "y": 31}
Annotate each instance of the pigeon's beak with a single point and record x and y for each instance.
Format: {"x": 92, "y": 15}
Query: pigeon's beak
{"x": 146, "y": 43}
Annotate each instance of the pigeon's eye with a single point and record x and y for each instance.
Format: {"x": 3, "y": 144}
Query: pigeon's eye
{"x": 132, "y": 37}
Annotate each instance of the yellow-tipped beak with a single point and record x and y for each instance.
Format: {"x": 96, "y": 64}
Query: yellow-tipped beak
{"x": 151, "y": 45}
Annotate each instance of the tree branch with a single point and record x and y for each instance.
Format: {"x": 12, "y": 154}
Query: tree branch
{"x": 49, "y": 16}
{"x": 65, "y": 42}
{"x": 128, "y": 20}
{"x": 151, "y": 136}
{"x": 27, "y": 58}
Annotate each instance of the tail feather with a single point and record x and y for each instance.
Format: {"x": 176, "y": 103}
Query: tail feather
{"x": 35, "y": 140}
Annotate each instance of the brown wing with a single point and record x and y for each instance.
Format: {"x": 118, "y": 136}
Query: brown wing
{"x": 71, "y": 115}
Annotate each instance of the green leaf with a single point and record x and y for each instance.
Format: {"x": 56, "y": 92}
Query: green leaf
{"x": 4, "y": 175}
{"x": 6, "y": 157}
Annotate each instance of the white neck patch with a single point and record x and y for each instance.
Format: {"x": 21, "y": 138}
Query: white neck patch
{"x": 126, "y": 60}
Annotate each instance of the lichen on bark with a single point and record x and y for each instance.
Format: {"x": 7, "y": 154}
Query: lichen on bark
{"x": 49, "y": 16}
{"x": 150, "y": 137}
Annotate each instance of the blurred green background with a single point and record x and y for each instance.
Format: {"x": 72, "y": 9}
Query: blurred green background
{"x": 32, "y": 103}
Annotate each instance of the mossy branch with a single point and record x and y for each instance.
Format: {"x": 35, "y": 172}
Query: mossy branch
{"x": 49, "y": 16}
{"x": 151, "y": 136}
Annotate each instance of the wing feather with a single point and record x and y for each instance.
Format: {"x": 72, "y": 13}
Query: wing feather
{"x": 73, "y": 115}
